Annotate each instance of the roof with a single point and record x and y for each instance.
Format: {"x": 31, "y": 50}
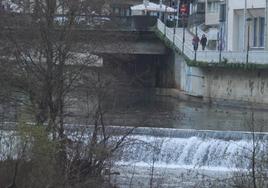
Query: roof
{"x": 153, "y": 7}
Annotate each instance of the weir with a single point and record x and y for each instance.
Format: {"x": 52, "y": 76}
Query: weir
{"x": 169, "y": 148}
{"x": 172, "y": 148}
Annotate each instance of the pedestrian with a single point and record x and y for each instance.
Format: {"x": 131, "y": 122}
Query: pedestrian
{"x": 195, "y": 42}
{"x": 203, "y": 42}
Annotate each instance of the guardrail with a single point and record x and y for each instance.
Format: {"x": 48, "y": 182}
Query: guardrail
{"x": 210, "y": 56}
{"x": 200, "y": 32}
{"x": 129, "y": 23}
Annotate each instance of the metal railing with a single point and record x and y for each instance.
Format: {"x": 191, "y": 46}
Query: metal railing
{"x": 94, "y": 22}
{"x": 211, "y": 56}
{"x": 200, "y": 32}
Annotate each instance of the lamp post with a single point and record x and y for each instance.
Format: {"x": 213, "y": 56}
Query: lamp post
{"x": 195, "y": 22}
{"x": 183, "y": 14}
{"x": 174, "y": 21}
{"x": 160, "y": 13}
{"x": 248, "y": 22}
{"x": 244, "y": 25}
{"x": 183, "y": 36}
{"x": 222, "y": 25}
{"x": 266, "y": 26}
{"x": 220, "y": 44}
{"x": 178, "y": 13}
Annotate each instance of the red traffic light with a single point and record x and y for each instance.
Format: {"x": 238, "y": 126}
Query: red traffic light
{"x": 183, "y": 9}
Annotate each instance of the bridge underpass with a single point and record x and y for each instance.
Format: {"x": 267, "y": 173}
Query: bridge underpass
{"x": 138, "y": 51}
{"x": 120, "y": 42}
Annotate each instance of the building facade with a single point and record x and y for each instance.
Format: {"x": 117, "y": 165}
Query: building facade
{"x": 212, "y": 8}
{"x": 240, "y": 23}
{"x": 246, "y": 24}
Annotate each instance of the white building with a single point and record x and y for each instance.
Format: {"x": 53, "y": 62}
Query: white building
{"x": 236, "y": 24}
{"x": 212, "y": 12}
{"x": 149, "y": 8}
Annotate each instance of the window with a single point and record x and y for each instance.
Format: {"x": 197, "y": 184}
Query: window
{"x": 222, "y": 11}
{"x": 255, "y": 32}
{"x": 153, "y": 14}
{"x": 258, "y": 31}
{"x": 127, "y": 12}
{"x": 201, "y": 7}
{"x": 213, "y": 7}
{"x": 261, "y": 28}
{"x": 116, "y": 10}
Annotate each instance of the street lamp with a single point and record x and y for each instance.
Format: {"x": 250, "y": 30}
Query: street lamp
{"x": 160, "y": 13}
{"x": 183, "y": 9}
{"x": 195, "y": 21}
{"x": 183, "y": 36}
{"x": 178, "y": 13}
{"x": 174, "y": 20}
{"x": 220, "y": 43}
{"x": 248, "y": 22}
{"x": 221, "y": 24}
{"x": 266, "y": 26}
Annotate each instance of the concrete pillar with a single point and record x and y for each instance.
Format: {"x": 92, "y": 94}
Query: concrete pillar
{"x": 165, "y": 71}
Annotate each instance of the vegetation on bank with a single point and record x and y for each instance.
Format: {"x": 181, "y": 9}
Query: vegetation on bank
{"x": 45, "y": 71}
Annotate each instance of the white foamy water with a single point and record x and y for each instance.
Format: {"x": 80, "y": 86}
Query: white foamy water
{"x": 209, "y": 153}
{"x": 172, "y": 148}
{"x": 187, "y": 158}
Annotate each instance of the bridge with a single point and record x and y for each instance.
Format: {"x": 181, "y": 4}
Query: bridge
{"x": 130, "y": 43}
{"x": 94, "y": 34}
{"x": 135, "y": 35}
{"x": 175, "y": 36}
{"x": 167, "y": 62}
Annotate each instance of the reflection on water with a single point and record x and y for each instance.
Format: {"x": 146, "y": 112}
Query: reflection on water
{"x": 144, "y": 109}
{"x": 173, "y": 113}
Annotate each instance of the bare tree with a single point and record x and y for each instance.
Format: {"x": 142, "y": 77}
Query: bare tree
{"x": 256, "y": 174}
{"x": 45, "y": 70}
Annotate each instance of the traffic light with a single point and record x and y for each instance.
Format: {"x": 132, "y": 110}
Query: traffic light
{"x": 184, "y": 8}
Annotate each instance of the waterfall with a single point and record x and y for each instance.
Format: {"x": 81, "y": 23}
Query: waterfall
{"x": 171, "y": 148}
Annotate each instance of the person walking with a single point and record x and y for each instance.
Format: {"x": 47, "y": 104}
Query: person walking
{"x": 195, "y": 42}
{"x": 203, "y": 42}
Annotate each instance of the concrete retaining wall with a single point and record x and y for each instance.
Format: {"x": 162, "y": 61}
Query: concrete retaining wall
{"x": 224, "y": 84}
{"x": 241, "y": 85}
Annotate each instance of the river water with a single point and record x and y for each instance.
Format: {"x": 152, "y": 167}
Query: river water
{"x": 187, "y": 144}
{"x": 168, "y": 112}
{"x": 201, "y": 145}
{"x": 179, "y": 143}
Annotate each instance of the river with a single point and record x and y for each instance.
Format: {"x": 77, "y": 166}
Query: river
{"x": 179, "y": 143}
{"x": 165, "y": 112}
